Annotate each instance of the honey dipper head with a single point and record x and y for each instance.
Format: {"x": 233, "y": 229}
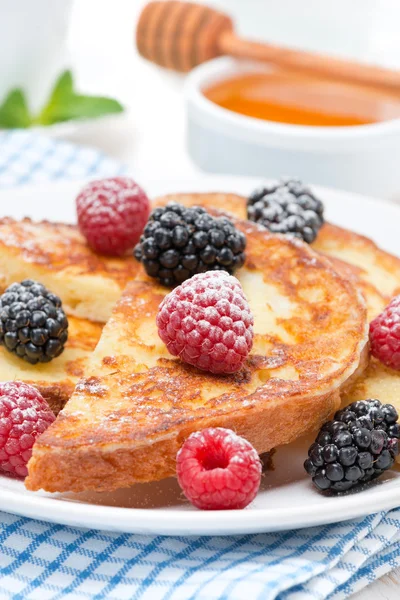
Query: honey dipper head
{"x": 180, "y": 35}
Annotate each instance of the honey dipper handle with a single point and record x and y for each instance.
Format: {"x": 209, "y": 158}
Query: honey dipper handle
{"x": 300, "y": 60}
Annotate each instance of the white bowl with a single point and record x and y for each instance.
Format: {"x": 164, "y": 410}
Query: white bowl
{"x": 362, "y": 158}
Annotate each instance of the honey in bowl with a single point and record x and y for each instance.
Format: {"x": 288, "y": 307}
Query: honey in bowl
{"x": 286, "y": 97}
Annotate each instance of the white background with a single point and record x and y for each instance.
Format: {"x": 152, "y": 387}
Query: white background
{"x": 150, "y": 136}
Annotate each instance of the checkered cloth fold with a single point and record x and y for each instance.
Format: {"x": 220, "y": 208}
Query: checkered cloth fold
{"x": 42, "y": 561}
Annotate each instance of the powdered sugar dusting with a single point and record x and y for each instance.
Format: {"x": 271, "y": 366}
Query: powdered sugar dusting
{"x": 91, "y": 386}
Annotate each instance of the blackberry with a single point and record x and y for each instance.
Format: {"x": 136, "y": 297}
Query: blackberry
{"x": 287, "y": 207}
{"x": 356, "y": 447}
{"x": 33, "y": 324}
{"x": 179, "y": 242}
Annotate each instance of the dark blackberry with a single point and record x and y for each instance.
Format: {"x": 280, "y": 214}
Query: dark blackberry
{"x": 179, "y": 242}
{"x": 287, "y": 207}
{"x": 33, "y": 324}
{"x": 356, "y": 447}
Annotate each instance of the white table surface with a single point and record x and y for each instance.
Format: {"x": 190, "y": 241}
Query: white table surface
{"x": 150, "y": 136}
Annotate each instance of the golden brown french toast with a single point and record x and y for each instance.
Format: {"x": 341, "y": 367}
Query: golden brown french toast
{"x": 89, "y": 285}
{"x": 367, "y": 262}
{"x": 136, "y": 404}
{"x": 375, "y": 272}
{"x": 56, "y": 380}
{"x": 377, "y": 381}
{"x": 58, "y": 256}
{"x": 370, "y": 263}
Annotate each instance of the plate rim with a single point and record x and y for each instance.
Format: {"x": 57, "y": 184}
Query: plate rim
{"x": 194, "y": 522}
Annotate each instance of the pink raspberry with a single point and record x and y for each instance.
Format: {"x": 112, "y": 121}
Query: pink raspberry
{"x": 207, "y": 322}
{"x": 24, "y": 415}
{"x": 112, "y": 214}
{"x": 218, "y": 469}
{"x": 384, "y": 335}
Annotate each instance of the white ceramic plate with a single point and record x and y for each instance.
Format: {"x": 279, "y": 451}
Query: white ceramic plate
{"x": 287, "y": 499}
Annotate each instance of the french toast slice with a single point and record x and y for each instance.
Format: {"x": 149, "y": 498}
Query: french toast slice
{"x": 377, "y": 381}
{"x": 358, "y": 259}
{"x": 368, "y": 264}
{"x": 58, "y": 256}
{"x": 136, "y": 404}
{"x": 89, "y": 285}
{"x": 372, "y": 265}
{"x": 56, "y": 380}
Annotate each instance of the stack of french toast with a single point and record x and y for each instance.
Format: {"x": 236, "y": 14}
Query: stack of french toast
{"x": 125, "y": 405}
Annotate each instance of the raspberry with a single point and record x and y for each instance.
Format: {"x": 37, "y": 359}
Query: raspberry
{"x": 24, "y": 416}
{"x": 207, "y": 322}
{"x": 384, "y": 335}
{"x": 218, "y": 469}
{"x": 112, "y": 214}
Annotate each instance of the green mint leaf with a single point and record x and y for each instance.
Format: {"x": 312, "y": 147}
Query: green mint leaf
{"x": 63, "y": 88}
{"x": 65, "y": 104}
{"x": 14, "y": 112}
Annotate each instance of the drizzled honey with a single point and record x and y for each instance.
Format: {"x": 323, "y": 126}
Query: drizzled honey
{"x": 286, "y": 97}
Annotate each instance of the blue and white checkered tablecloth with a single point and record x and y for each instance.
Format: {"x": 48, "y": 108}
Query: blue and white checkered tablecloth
{"x": 42, "y": 561}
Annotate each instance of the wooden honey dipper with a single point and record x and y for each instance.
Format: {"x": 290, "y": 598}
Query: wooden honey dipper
{"x": 180, "y": 35}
